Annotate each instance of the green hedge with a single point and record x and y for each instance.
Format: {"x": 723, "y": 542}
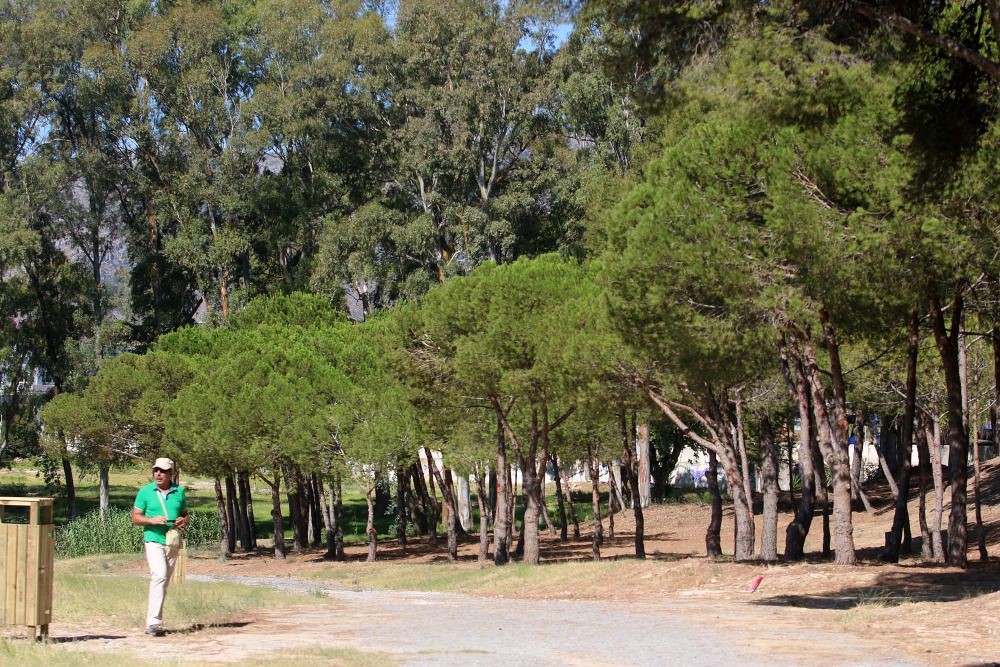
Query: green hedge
{"x": 115, "y": 534}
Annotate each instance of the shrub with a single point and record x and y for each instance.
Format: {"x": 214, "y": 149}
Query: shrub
{"x": 115, "y": 534}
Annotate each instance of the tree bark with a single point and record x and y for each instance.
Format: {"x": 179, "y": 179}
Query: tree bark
{"x": 568, "y": 492}
{"x": 448, "y": 498}
{"x": 276, "y": 516}
{"x": 632, "y": 471}
{"x": 923, "y": 456}
{"x": 71, "y": 512}
{"x": 857, "y": 488}
{"x": 594, "y": 467}
{"x": 769, "y": 479}
{"x": 220, "y": 505}
{"x": 316, "y": 509}
{"x": 563, "y": 527}
{"x": 435, "y": 511}
{"x": 901, "y": 517}
{"x": 104, "y": 488}
{"x": 832, "y": 438}
{"x": 798, "y": 529}
{"x": 246, "y": 512}
{"x": 883, "y": 463}
{"x": 370, "y": 528}
{"x": 645, "y": 467}
{"x": 418, "y": 511}
{"x": 958, "y": 432}
{"x": 742, "y": 443}
{"x": 501, "y": 523}
{"x": 328, "y": 522}
{"x": 235, "y": 526}
{"x": 937, "y": 546}
{"x": 337, "y": 491}
{"x": 482, "y": 500}
{"x": 713, "y": 535}
{"x": 401, "y": 484}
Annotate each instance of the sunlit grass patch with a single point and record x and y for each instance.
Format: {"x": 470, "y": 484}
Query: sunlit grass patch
{"x": 120, "y": 601}
{"x": 26, "y": 653}
{"x": 469, "y": 577}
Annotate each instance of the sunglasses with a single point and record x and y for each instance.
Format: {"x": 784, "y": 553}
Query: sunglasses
{"x": 160, "y": 470}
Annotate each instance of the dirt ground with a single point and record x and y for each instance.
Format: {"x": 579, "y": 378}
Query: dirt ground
{"x": 801, "y": 613}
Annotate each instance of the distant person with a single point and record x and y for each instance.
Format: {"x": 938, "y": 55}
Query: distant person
{"x": 160, "y": 507}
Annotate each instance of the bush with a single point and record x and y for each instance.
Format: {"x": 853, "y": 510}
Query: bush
{"x": 115, "y": 534}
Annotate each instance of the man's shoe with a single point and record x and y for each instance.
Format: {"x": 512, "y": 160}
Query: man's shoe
{"x": 155, "y": 630}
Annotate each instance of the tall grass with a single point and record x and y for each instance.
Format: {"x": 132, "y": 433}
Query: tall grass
{"x": 114, "y": 534}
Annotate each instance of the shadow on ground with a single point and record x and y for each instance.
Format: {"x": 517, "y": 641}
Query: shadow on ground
{"x": 891, "y": 589}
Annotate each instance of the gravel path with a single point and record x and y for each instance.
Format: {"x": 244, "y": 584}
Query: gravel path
{"x": 445, "y": 629}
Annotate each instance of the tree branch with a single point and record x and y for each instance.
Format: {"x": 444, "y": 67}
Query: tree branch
{"x": 950, "y": 46}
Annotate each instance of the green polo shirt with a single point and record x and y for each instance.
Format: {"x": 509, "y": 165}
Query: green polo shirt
{"x": 147, "y": 501}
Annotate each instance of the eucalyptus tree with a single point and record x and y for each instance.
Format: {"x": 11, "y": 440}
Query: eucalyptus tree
{"x": 195, "y": 82}
{"x": 315, "y": 110}
{"x": 471, "y": 165}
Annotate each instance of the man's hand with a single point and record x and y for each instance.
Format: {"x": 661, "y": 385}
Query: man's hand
{"x": 156, "y": 521}
{"x": 182, "y": 521}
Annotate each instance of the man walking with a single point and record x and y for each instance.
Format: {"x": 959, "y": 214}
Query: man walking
{"x": 159, "y": 507}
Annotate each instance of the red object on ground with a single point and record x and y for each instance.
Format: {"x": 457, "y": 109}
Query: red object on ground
{"x": 752, "y": 586}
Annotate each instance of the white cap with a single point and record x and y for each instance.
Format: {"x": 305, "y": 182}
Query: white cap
{"x": 163, "y": 463}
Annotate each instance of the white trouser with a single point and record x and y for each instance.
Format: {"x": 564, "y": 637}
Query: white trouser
{"x": 161, "y": 566}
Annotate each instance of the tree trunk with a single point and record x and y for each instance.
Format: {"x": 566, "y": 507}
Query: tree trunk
{"x": 338, "y": 493}
{"x": 328, "y": 522}
{"x": 482, "y": 500}
{"x": 276, "y": 515}
{"x": 463, "y": 502}
{"x": 246, "y": 512}
{"x": 631, "y": 468}
{"x": 923, "y": 456}
{"x": 832, "y": 438}
{"x": 316, "y": 509}
{"x": 568, "y": 492}
{"x": 857, "y": 488}
{"x": 432, "y": 509}
{"x": 645, "y": 467}
{"x": 613, "y": 505}
{"x": 415, "y": 498}
{"x": 235, "y": 528}
{"x": 401, "y": 485}
{"x": 769, "y": 480}
{"x": 501, "y": 522}
{"x": 511, "y": 509}
{"x": 71, "y": 512}
{"x": 713, "y": 536}
{"x": 798, "y": 529}
{"x": 298, "y": 540}
{"x": 594, "y": 467}
{"x": 563, "y": 527}
{"x": 901, "y": 517}
{"x": 741, "y": 441}
{"x": 883, "y": 463}
{"x": 937, "y": 474}
{"x": 958, "y": 433}
{"x": 447, "y": 499}
{"x": 220, "y": 505}
{"x": 104, "y": 488}
{"x": 530, "y": 521}
{"x": 370, "y": 529}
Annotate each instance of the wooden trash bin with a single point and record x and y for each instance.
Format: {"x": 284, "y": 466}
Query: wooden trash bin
{"x": 27, "y": 551}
